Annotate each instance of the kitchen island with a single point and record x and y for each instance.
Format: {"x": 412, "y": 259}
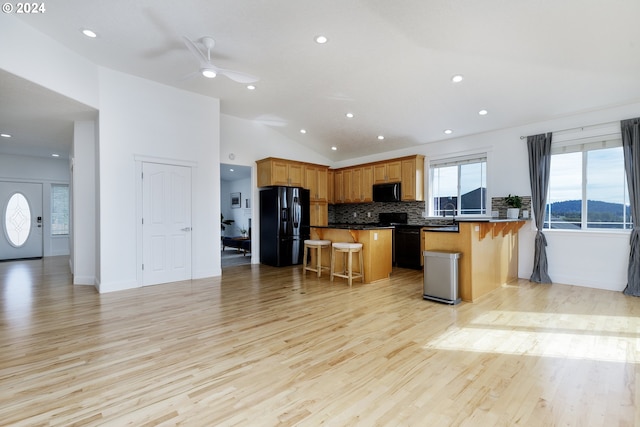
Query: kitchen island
{"x": 376, "y": 247}
{"x": 489, "y": 253}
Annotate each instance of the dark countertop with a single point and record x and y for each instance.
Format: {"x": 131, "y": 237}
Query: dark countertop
{"x": 353, "y": 226}
{"x": 442, "y": 228}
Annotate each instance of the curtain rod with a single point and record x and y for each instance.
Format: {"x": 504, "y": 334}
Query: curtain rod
{"x": 581, "y": 128}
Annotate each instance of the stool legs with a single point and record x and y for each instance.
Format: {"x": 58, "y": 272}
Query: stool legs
{"x": 304, "y": 259}
{"x": 309, "y": 246}
{"x": 347, "y": 264}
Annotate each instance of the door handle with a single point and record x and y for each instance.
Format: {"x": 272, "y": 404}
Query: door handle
{"x": 186, "y": 229}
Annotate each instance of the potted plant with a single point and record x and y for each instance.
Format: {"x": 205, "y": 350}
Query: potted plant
{"x": 515, "y": 203}
{"x": 224, "y": 222}
{"x": 243, "y": 231}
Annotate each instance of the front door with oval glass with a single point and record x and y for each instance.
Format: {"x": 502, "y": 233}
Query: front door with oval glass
{"x": 21, "y": 207}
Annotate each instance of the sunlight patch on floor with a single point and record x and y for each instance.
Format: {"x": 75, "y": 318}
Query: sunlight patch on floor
{"x": 576, "y": 336}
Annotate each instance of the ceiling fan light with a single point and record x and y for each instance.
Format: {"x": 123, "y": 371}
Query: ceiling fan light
{"x": 208, "y": 73}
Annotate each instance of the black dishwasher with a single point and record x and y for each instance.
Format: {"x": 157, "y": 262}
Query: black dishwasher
{"x": 407, "y": 246}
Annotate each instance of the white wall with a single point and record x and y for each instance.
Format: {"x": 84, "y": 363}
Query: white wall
{"x": 83, "y": 203}
{"x": 46, "y": 171}
{"x": 33, "y": 56}
{"x": 140, "y": 118}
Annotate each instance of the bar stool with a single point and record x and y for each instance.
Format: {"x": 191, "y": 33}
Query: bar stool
{"x": 347, "y": 249}
{"x": 318, "y": 245}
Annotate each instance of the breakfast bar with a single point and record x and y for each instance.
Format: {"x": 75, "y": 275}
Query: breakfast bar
{"x": 376, "y": 247}
{"x": 489, "y": 253}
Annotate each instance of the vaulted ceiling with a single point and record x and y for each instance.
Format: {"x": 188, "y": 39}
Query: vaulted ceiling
{"x": 389, "y": 63}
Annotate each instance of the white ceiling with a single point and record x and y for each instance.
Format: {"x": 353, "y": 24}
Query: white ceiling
{"x": 390, "y": 63}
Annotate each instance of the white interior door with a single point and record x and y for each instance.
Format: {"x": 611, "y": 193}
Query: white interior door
{"x": 21, "y": 206}
{"x": 166, "y": 223}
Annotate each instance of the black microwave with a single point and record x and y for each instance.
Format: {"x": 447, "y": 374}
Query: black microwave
{"x": 387, "y": 192}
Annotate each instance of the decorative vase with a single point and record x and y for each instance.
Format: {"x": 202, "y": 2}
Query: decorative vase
{"x": 513, "y": 213}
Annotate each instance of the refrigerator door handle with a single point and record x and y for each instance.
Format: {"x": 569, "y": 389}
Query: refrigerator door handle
{"x": 284, "y": 215}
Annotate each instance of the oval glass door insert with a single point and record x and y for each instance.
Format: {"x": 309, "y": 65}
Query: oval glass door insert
{"x": 17, "y": 223}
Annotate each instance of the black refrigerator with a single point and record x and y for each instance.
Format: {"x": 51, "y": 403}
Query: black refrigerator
{"x": 284, "y": 225}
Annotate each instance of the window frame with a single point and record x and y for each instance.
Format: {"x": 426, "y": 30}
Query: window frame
{"x": 458, "y": 161}
{"x": 583, "y": 141}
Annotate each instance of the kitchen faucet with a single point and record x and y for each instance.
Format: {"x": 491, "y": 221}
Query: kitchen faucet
{"x": 453, "y": 216}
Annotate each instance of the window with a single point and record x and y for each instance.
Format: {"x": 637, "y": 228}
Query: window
{"x": 59, "y": 209}
{"x": 17, "y": 220}
{"x": 459, "y": 186}
{"x": 587, "y": 185}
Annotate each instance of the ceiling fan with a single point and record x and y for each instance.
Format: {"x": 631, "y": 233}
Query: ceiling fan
{"x": 209, "y": 70}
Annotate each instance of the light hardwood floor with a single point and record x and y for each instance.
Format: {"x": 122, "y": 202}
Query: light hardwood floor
{"x": 265, "y": 346}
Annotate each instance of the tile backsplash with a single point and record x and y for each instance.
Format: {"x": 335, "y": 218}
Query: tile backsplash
{"x": 498, "y": 204}
{"x": 344, "y": 213}
{"x": 368, "y": 212}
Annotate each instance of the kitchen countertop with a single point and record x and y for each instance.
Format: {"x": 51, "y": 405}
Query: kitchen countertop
{"x": 354, "y": 226}
{"x": 488, "y": 219}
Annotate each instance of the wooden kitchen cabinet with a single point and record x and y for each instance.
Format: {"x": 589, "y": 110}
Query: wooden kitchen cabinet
{"x": 318, "y": 213}
{"x": 273, "y": 171}
{"x": 338, "y": 186}
{"x": 347, "y": 179}
{"x": 489, "y": 254}
{"x": 412, "y": 184}
{"x": 356, "y": 185}
{"x": 387, "y": 172}
{"x": 330, "y": 187}
{"x": 316, "y": 182}
{"x": 367, "y": 184}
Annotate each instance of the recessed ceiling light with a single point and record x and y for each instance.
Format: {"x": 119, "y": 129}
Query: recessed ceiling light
{"x": 334, "y": 148}
{"x": 55, "y": 155}
{"x": 349, "y": 115}
{"x": 208, "y": 73}
{"x": 89, "y": 33}
{"x": 321, "y": 39}
{"x": 251, "y": 87}
{"x": 448, "y": 131}
{"x": 5, "y": 135}
{"x": 380, "y": 137}
{"x": 483, "y": 112}
{"x": 303, "y": 131}
{"x": 457, "y": 78}
{"x": 230, "y": 170}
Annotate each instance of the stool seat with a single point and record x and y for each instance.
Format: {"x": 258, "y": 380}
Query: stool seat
{"x": 347, "y": 249}
{"x": 318, "y": 245}
{"x": 345, "y": 245}
{"x": 317, "y": 242}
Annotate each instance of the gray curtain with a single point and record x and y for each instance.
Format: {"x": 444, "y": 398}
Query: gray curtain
{"x": 631, "y": 148}
{"x": 539, "y": 147}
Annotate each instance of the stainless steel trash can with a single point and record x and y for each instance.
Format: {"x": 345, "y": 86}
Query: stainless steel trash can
{"x": 441, "y": 276}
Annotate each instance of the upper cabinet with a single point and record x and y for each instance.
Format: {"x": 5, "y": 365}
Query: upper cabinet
{"x": 338, "y": 186}
{"x": 390, "y": 171}
{"x": 412, "y": 187}
{"x": 316, "y": 181}
{"x": 330, "y": 186}
{"x": 367, "y": 184}
{"x": 272, "y": 171}
{"x": 354, "y": 184}
{"x": 346, "y": 185}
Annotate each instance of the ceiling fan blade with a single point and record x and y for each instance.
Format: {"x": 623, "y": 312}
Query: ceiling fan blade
{"x": 237, "y": 76}
{"x": 193, "y": 47}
